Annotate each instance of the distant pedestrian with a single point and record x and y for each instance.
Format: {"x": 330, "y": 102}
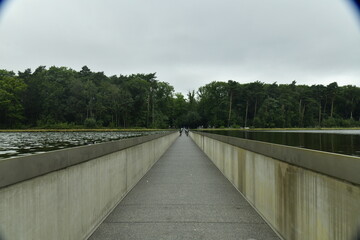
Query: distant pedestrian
{"x": 187, "y": 132}
{"x": 180, "y": 131}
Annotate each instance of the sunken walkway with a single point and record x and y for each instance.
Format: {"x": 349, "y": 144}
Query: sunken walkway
{"x": 184, "y": 196}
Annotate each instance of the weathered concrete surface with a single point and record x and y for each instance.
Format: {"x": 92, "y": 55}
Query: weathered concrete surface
{"x": 184, "y": 196}
{"x": 297, "y": 202}
{"x": 19, "y": 169}
{"x": 71, "y": 202}
{"x": 343, "y": 167}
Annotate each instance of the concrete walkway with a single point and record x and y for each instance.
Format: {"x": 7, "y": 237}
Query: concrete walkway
{"x": 184, "y": 196}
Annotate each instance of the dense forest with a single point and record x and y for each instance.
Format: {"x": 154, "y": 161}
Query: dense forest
{"x": 60, "y": 97}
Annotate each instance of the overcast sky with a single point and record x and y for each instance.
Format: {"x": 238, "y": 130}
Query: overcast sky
{"x": 188, "y": 43}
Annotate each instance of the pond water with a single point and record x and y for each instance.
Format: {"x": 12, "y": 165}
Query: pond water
{"x": 14, "y": 144}
{"x": 337, "y": 141}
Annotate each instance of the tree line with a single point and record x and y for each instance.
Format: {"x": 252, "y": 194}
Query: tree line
{"x": 279, "y": 105}
{"x": 60, "y": 97}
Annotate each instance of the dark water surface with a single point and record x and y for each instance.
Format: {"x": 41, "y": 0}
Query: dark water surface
{"x": 337, "y": 141}
{"x": 14, "y": 144}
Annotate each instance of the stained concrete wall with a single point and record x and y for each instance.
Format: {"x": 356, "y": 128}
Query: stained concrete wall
{"x": 297, "y": 202}
{"x": 70, "y": 202}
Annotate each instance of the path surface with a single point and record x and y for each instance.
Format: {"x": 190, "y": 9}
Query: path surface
{"x": 184, "y": 196}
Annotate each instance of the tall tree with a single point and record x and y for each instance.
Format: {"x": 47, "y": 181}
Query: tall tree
{"x": 231, "y": 88}
{"x": 332, "y": 89}
{"x": 11, "y": 107}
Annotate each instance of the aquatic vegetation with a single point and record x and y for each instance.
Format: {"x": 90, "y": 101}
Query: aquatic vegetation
{"x": 14, "y": 144}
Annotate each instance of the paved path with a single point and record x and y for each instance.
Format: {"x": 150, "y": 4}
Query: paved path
{"x": 184, "y": 196}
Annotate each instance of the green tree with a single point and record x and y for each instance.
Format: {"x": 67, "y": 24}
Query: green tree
{"x": 232, "y": 89}
{"x": 11, "y": 107}
{"x": 350, "y": 96}
{"x": 162, "y": 97}
{"x": 332, "y": 90}
{"x": 213, "y": 104}
{"x": 271, "y": 114}
{"x": 179, "y": 109}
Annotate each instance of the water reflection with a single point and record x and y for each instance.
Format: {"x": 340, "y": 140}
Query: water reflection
{"x": 336, "y": 141}
{"x": 13, "y": 144}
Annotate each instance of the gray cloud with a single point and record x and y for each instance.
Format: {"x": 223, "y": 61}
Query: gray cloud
{"x": 188, "y": 43}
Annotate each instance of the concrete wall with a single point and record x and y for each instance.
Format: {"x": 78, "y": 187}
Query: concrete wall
{"x": 297, "y": 202}
{"x": 46, "y": 198}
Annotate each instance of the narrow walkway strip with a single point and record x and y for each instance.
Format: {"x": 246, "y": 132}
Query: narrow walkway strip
{"x": 184, "y": 196}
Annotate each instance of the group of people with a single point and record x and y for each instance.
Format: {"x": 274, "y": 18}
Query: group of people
{"x": 184, "y": 129}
